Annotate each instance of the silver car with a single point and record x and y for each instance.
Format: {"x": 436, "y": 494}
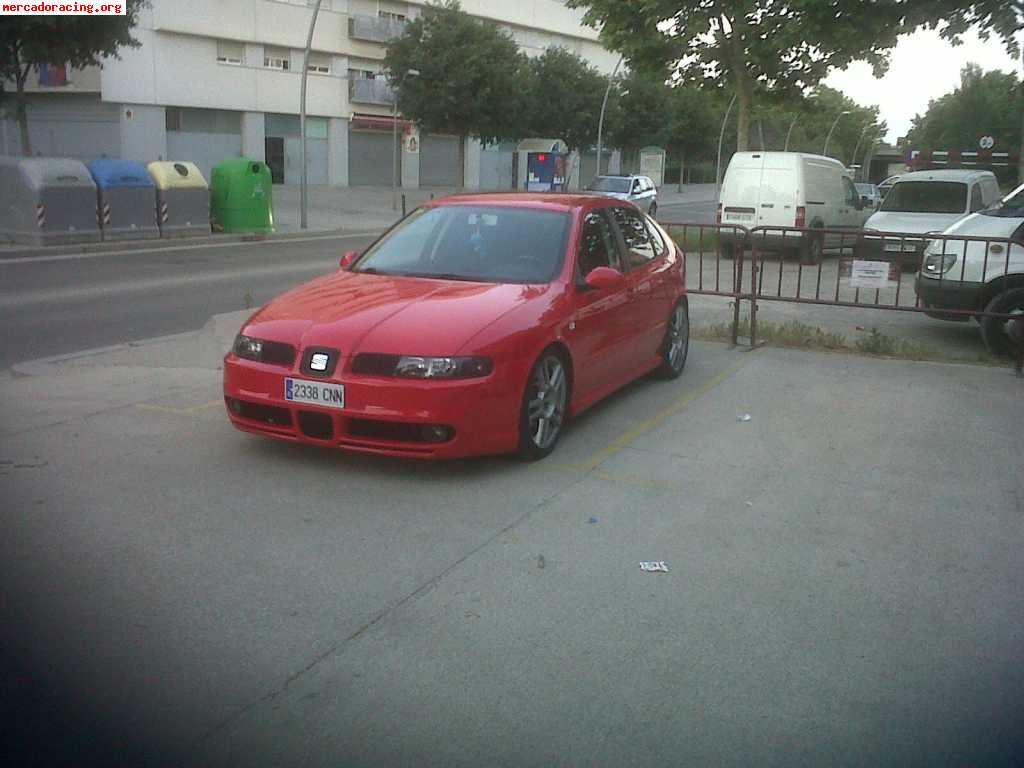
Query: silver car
{"x": 639, "y": 190}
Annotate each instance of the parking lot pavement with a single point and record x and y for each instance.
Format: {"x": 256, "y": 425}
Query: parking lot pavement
{"x": 843, "y": 583}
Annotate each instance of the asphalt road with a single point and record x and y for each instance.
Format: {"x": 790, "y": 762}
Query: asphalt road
{"x": 56, "y": 305}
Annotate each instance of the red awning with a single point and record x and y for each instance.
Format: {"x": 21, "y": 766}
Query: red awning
{"x": 378, "y": 123}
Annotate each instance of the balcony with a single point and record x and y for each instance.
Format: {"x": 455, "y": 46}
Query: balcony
{"x": 366, "y": 91}
{"x": 374, "y": 29}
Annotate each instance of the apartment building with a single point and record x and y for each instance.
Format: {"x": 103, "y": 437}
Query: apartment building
{"x": 219, "y": 78}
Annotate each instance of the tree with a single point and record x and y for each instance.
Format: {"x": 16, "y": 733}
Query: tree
{"x": 783, "y": 47}
{"x": 28, "y": 42}
{"x": 468, "y": 82}
{"x": 563, "y": 96}
{"x": 984, "y": 103}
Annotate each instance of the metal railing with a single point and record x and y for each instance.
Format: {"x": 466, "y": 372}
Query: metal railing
{"x": 950, "y": 277}
{"x": 374, "y": 29}
{"x": 367, "y": 91}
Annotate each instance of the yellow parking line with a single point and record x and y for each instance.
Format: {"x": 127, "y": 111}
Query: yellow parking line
{"x": 178, "y": 411}
{"x": 647, "y": 425}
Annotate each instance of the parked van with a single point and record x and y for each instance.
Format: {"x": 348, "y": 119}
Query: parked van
{"x": 789, "y": 189}
{"x": 927, "y": 201}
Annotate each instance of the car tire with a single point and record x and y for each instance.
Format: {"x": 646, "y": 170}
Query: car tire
{"x": 653, "y": 210}
{"x": 995, "y": 332}
{"x": 811, "y": 248}
{"x": 676, "y": 346}
{"x": 545, "y": 398}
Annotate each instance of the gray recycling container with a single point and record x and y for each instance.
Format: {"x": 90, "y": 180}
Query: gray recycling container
{"x": 182, "y": 199}
{"x": 126, "y": 200}
{"x": 47, "y": 201}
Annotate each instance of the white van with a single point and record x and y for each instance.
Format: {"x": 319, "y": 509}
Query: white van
{"x": 927, "y": 201}
{"x": 789, "y": 189}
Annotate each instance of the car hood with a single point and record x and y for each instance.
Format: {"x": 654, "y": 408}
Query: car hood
{"x": 356, "y": 312}
{"x": 895, "y": 221}
{"x": 980, "y": 225}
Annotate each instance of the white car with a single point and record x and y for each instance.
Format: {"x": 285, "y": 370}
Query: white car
{"x": 926, "y": 202}
{"x": 639, "y": 190}
{"x": 980, "y": 276}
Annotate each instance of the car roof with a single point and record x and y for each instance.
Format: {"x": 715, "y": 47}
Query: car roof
{"x": 548, "y": 200}
{"x": 947, "y": 174}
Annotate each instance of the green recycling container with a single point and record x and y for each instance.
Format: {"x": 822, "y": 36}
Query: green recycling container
{"x": 241, "y": 199}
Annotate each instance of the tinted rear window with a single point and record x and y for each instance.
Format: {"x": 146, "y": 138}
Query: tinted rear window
{"x": 605, "y": 184}
{"x": 926, "y": 197}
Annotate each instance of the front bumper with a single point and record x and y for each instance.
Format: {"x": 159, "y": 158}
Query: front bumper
{"x": 763, "y": 241}
{"x": 381, "y": 415}
{"x": 946, "y": 294}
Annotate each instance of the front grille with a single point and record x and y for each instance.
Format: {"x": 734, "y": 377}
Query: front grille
{"x": 278, "y": 353}
{"x": 319, "y": 426}
{"x": 374, "y": 364}
{"x": 267, "y": 414}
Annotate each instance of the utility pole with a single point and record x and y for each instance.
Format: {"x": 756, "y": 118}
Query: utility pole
{"x": 304, "y": 187}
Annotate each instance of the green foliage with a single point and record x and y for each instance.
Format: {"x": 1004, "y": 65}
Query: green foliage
{"x": 29, "y": 41}
{"x": 562, "y": 97}
{"x": 984, "y": 103}
{"x": 469, "y": 81}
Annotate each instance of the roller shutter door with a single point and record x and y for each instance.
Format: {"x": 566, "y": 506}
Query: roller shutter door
{"x": 439, "y": 161}
{"x": 371, "y": 158}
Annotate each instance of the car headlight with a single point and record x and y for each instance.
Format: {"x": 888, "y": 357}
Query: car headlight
{"x": 939, "y": 263}
{"x": 248, "y": 347}
{"x": 274, "y": 352}
{"x": 422, "y": 367}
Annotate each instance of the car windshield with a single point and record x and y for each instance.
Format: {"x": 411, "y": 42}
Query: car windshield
{"x": 608, "y": 184}
{"x": 1010, "y": 208}
{"x": 926, "y": 197}
{"x": 492, "y": 244}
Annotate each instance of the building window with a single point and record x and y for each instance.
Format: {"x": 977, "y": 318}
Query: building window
{"x": 277, "y": 58}
{"x": 361, "y": 74}
{"x": 230, "y": 53}
{"x": 398, "y": 18}
{"x": 319, "y": 63}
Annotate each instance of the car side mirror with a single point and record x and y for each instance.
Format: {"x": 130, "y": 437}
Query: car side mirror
{"x": 604, "y": 279}
{"x": 348, "y": 259}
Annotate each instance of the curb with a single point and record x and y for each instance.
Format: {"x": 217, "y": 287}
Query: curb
{"x": 10, "y": 251}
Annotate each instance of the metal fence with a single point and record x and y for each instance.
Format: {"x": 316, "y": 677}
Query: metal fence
{"x": 950, "y": 277}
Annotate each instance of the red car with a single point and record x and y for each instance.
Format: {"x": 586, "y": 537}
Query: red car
{"x": 476, "y": 325}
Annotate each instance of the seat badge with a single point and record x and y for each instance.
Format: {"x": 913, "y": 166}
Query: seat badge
{"x": 318, "y": 362}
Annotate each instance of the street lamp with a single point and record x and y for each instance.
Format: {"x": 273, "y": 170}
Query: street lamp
{"x": 604, "y": 104}
{"x": 721, "y": 136}
{"x": 859, "y": 140}
{"x": 394, "y": 135}
{"x": 304, "y": 191}
{"x": 834, "y": 124}
{"x": 790, "y": 133}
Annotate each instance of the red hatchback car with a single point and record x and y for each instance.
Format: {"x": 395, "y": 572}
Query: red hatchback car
{"x": 476, "y": 325}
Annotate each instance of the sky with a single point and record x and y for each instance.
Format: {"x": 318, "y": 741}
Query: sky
{"x": 922, "y": 67}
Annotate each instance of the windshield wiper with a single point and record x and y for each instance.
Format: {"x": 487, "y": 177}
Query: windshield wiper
{"x": 447, "y": 276}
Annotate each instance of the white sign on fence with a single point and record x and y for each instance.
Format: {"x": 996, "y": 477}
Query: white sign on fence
{"x": 870, "y": 274}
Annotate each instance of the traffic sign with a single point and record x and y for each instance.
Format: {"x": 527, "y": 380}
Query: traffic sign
{"x": 986, "y": 142}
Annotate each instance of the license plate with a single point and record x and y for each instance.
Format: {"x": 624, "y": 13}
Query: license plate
{"x": 899, "y": 247}
{"x": 740, "y": 216}
{"x": 314, "y": 393}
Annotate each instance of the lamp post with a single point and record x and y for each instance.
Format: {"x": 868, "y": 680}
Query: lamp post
{"x": 859, "y": 140}
{"x": 721, "y": 136}
{"x": 604, "y": 104}
{"x": 834, "y": 124}
{"x": 790, "y": 133}
{"x": 304, "y": 186}
{"x": 394, "y": 136}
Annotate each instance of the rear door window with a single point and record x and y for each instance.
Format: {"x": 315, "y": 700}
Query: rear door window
{"x": 639, "y": 248}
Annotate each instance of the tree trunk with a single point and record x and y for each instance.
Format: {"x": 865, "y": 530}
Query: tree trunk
{"x": 744, "y": 102}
